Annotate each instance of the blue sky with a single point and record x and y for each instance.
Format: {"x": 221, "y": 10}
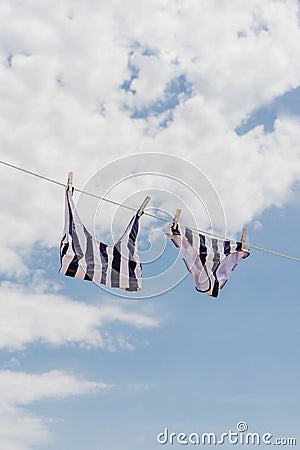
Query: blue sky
{"x": 209, "y": 365}
{"x": 206, "y": 98}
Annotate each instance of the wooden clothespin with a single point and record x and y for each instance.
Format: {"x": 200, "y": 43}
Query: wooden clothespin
{"x": 70, "y": 183}
{"x": 176, "y": 218}
{"x": 243, "y": 239}
{"x": 143, "y": 206}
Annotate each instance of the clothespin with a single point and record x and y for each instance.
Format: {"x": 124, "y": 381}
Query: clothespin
{"x": 176, "y": 218}
{"x": 70, "y": 183}
{"x": 143, "y": 206}
{"x": 243, "y": 239}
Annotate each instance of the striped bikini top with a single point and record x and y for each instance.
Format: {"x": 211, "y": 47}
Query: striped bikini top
{"x": 85, "y": 257}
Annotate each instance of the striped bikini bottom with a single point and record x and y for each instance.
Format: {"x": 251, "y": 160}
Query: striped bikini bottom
{"x": 210, "y": 261}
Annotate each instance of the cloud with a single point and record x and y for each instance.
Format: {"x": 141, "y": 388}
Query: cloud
{"x": 12, "y": 262}
{"x": 258, "y": 169}
{"x": 19, "y": 388}
{"x": 28, "y": 316}
{"x": 21, "y": 429}
{"x": 65, "y": 106}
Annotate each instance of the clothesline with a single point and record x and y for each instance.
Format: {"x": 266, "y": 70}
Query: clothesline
{"x": 29, "y": 172}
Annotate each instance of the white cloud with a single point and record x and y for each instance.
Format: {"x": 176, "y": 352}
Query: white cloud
{"x": 63, "y": 107}
{"x": 19, "y": 388}
{"x": 12, "y": 262}
{"x": 154, "y": 74}
{"x": 21, "y": 429}
{"x": 33, "y": 315}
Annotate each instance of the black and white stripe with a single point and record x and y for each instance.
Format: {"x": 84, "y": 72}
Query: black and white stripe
{"x": 85, "y": 257}
{"x": 210, "y": 261}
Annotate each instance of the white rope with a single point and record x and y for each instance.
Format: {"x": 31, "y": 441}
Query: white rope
{"x": 147, "y": 214}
